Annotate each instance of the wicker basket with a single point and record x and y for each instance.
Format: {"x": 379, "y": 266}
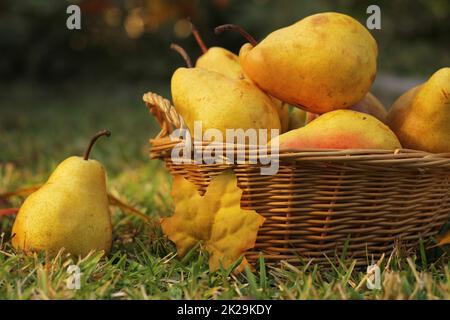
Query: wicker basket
{"x": 322, "y": 201}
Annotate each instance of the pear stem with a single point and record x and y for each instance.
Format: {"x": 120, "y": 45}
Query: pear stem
{"x": 182, "y": 53}
{"x": 198, "y": 38}
{"x": 91, "y": 144}
{"x": 218, "y": 30}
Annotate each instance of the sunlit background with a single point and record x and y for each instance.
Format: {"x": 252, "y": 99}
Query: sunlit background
{"x": 58, "y": 84}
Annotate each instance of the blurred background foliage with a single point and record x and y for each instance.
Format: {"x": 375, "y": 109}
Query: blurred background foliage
{"x": 129, "y": 40}
{"x": 59, "y": 86}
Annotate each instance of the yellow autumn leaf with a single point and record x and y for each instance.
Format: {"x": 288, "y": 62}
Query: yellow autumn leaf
{"x": 214, "y": 219}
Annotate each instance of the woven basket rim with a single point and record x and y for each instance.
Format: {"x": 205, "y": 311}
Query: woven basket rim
{"x": 169, "y": 119}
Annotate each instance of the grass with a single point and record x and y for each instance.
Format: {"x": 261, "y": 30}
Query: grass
{"x": 38, "y": 130}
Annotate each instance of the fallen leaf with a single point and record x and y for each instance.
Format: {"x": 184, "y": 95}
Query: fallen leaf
{"x": 214, "y": 219}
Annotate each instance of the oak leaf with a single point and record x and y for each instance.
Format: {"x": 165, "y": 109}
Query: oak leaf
{"x": 215, "y": 219}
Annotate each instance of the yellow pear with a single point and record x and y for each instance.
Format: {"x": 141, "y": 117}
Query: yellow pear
{"x": 421, "y": 116}
{"x": 399, "y": 108}
{"x": 227, "y": 63}
{"x": 368, "y": 105}
{"x": 371, "y": 105}
{"x": 220, "y": 102}
{"x": 341, "y": 129}
{"x": 221, "y": 61}
{"x": 69, "y": 211}
{"x": 323, "y": 62}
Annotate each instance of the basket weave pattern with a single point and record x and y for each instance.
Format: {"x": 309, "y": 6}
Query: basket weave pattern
{"x": 321, "y": 201}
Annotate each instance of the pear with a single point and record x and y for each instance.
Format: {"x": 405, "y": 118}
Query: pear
{"x": 421, "y": 116}
{"x": 400, "y": 108}
{"x": 220, "y": 102}
{"x": 368, "y": 105}
{"x": 221, "y": 61}
{"x": 371, "y": 105}
{"x": 323, "y": 62}
{"x": 227, "y": 63}
{"x": 69, "y": 211}
{"x": 341, "y": 129}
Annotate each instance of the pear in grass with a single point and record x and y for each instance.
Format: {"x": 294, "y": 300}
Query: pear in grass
{"x": 69, "y": 211}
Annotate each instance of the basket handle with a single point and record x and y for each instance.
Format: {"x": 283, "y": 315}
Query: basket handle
{"x": 165, "y": 113}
